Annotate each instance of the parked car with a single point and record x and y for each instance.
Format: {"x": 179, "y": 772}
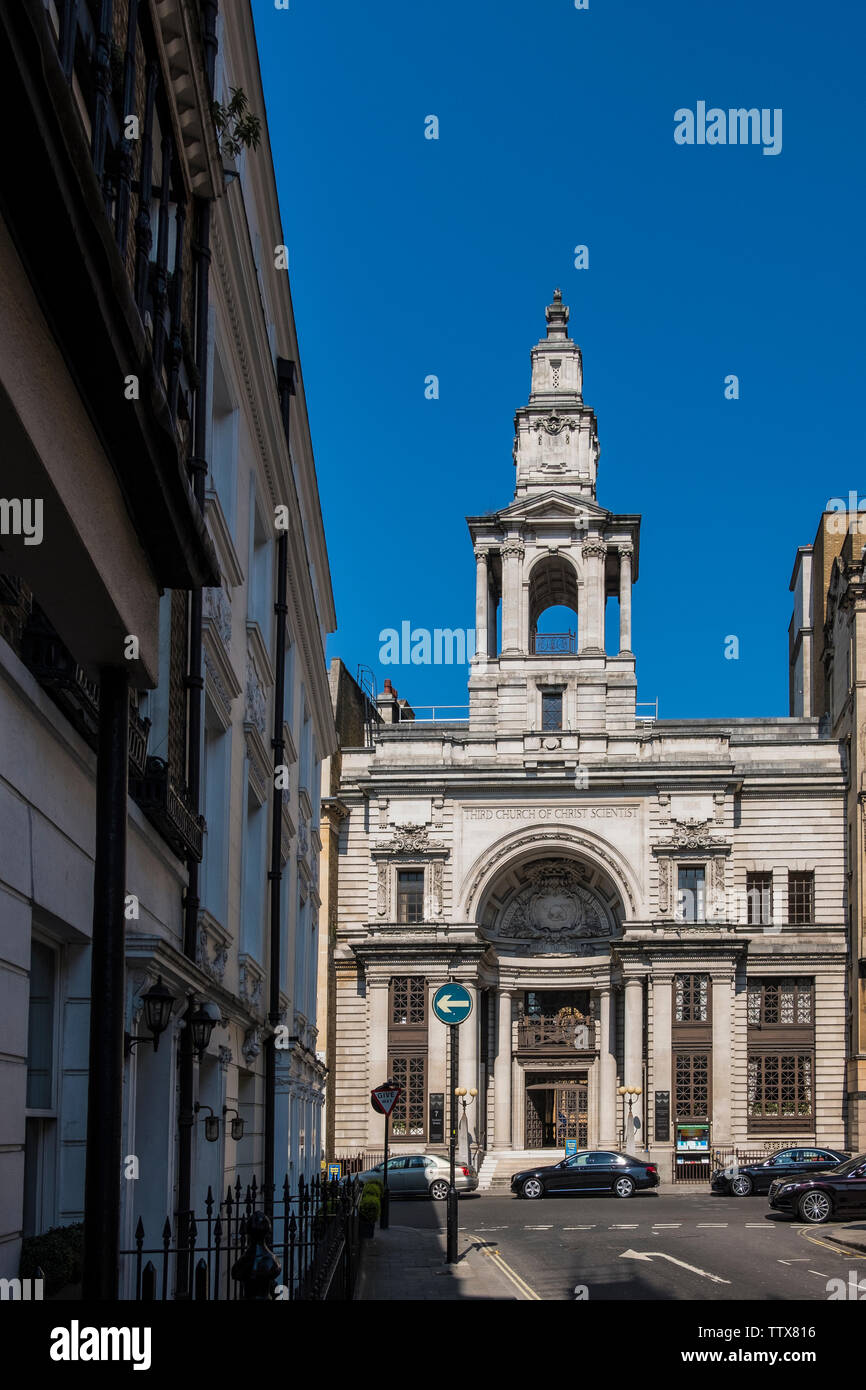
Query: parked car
{"x": 840, "y": 1193}
{"x": 414, "y": 1174}
{"x": 741, "y": 1180}
{"x": 590, "y": 1170}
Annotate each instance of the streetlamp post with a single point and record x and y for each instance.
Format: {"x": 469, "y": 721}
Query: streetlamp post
{"x": 628, "y": 1122}
{"x": 462, "y": 1093}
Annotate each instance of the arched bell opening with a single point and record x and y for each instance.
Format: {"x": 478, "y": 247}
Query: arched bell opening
{"x": 553, "y": 608}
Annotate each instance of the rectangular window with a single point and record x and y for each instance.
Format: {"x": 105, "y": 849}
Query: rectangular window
{"x": 408, "y": 1115}
{"x": 692, "y": 1082}
{"x": 780, "y": 1086}
{"x": 690, "y": 894}
{"x": 410, "y": 895}
{"x": 40, "y": 1028}
{"x": 781, "y": 1003}
{"x": 759, "y": 899}
{"x": 408, "y": 1000}
{"x": 692, "y": 993}
{"x": 801, "y": 898}
{"x": 551, "y": 709}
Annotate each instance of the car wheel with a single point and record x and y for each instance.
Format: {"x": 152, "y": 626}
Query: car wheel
{"x": 815, "y": 1207}
{"x": 742, "y": 1186}
{"x": 532, "y": 1189}
{"x": 623, "y": 1187}
{"x": 439, "y": 1189}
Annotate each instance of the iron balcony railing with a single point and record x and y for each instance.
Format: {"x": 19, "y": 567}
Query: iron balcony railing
{"x": 547, "y": 1033}
{"x": 553, "y": 643}
{"x": 165, "y": 802}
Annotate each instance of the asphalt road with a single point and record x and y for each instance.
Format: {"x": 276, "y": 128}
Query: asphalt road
{"x": 654, "y": 1246}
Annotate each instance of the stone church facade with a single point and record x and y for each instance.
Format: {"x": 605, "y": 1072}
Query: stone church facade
{"x": 641, "y": 903}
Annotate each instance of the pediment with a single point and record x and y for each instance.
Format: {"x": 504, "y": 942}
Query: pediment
{"x": 553, "y": 506}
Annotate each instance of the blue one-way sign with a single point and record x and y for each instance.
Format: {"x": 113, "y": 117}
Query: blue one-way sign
{"x": 452, "y": 1003}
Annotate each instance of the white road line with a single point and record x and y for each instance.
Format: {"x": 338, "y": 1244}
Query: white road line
{"x": 666, "y": 1225}
{"x": 820, "y": 1273}
{"x": 798, "y": 1259}
{"x": 580, "y": 1228}
{"x": 651, "y": 1255}
{"x": 629, "y": 1226}
{"x": 539, "y": 1228}
{"x": 712, "y": 1225}
{"x": 759, "y": 1226}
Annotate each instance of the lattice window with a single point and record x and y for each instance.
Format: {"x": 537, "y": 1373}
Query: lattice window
{"x": 692, "y": 1083}
{"x": 780, "y": 1085}
{"x": 410, "y": 895}
{"x": 551, "y": 710}
{"x": 801, "y": 898}
{"x": 692, "y": 994}
{"x": 408, "y": 1000}
{"x": 410, "y": 1073}
{"x": 781, "y": 1003}
{"x": 554, "y": 371}
{"x": 759, "y": 899}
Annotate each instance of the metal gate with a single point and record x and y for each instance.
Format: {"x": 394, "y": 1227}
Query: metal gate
{"x": 572, "y": 1119}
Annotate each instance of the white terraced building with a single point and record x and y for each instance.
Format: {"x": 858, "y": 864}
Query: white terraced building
{"x": 652, "y": 904}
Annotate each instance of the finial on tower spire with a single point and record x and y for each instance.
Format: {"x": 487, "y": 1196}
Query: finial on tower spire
{"x": 557, "y": 317}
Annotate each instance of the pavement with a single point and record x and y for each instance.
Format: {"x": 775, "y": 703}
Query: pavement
{"x": 669, "y": 1244}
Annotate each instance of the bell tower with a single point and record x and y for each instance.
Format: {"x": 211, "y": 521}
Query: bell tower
{"x": 554, "y": 547}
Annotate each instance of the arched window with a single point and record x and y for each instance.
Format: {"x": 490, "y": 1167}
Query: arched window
{"x": 553, "y": 614}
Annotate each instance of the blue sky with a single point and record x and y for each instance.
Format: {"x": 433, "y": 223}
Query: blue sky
{"x": 411, "y": 256}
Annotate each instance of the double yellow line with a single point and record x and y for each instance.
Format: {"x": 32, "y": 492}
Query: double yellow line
{"x": 511, "y": 1274}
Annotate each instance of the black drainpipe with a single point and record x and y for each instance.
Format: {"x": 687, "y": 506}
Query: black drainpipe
{"x": 195, "y": 683}
{"x": 286, "y": 386}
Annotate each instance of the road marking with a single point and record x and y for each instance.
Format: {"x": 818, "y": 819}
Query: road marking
{"x": 491, "y": 1228}
{"x": 539, "y": 1228}
{"x": 712, "y": 1225}
{"x": 798, "y": 1259}
{"x": 650, "y": 1255}
{"x": 838, "y": 1250}
{"x": 580, "y": 1228}
{"x": 759, "y": 1226}
{"x": 633, "y": 1226}
{"x": 524, "y": 1289}
{"x": 666, "y": 1225}
{"x": 820, "y": 1273}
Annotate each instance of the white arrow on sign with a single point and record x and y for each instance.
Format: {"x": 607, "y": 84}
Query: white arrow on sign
{"x": 447, "y": 1003}
{"x": 660, "y": 1255}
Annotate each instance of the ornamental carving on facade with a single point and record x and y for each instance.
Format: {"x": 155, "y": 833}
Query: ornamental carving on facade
{"x": 252, "y": 1045}
{"x": 593, "y": 548}
{"x": 382, "y": 889}
{"x": 554, "y": 424}
{"x": 664, "y": 887}
{"x": 410, "y": 839}
{"x": 217, "y": 609}
{"x": 255, "y": 711}
{"x": 692, "y": 834}
{"x": 512, "y": 548}
{"x": 568, "y": 839}
{"x": 436, "y": 889}
{"x": 554, "y": 906}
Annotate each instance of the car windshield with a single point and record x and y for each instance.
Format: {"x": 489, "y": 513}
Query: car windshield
{"x": 843, "y": 1169}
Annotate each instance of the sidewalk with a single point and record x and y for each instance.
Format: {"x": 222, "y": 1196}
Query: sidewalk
{"x": 404, "y": 1264}
{"x": 851, "y": 1237}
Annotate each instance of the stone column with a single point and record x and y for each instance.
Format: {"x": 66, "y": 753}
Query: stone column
{"x": 591, "y": 621}
{"x": 607, "y": 1069}
{"x": 633, "y": 1072}
{"x": 468, "y": 1061}
{"x": 502, "y": 1074}
{"x": 481, "y": 602}
{"x": 625, "y": 555}
{"x": 491, "y": 620}
{"x": 721, "y": 1093}
{"x": 512, "y": 558}
{"x": 377, "y": 1015}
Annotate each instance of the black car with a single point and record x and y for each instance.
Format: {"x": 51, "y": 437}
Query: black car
{"x": 590, "y": 1170}
{"x": 742, "y": 1179}
{"x": 841, "y": 1193}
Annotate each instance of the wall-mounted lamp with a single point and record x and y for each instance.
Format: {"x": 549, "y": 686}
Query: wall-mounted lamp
{"x": 237, "y": 1123}
{"x": 201, "y": 1023}
{"x": 158, "y": 1004}
{"x": 211, "y": 1124}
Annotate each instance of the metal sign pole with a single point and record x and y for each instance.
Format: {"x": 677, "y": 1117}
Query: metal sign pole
{"x": 383, "y": 1215}
{"x": 451, "y": 1253}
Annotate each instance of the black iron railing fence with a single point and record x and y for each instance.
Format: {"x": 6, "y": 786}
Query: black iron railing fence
{"x": 314, "y": 1237}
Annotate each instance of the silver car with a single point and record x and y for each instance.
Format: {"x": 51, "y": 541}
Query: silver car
{"x": 411, "y": 1174}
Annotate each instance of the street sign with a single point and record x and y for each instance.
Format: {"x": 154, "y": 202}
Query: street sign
{"x": 452, "y": 1003}
{"x": 335, "y": 1172}
{"x": 384, "y": 1098}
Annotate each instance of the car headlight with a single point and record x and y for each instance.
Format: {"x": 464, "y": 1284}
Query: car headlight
{"x": 786, "y": 1187}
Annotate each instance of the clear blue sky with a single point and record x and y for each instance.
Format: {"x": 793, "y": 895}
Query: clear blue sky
{"x": 411, "y": 256}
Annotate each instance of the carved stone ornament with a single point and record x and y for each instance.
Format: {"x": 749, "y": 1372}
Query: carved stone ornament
{"x": 692, "y": 834}
{"x": 664, "y": 886}
{"x": 256, "y": 707}
{"x": 218, "y": 610}
{"x": 590, "y": 548}
{"x": 554, "y": 906}
{"x": 554, "y": 424}
{"x": 252, "y": 1045}
{"x": 410, "y": 839}
{"x": 382, "y": 889}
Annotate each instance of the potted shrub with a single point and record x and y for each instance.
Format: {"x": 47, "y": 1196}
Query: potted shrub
{"x": 369, "y": 1208}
